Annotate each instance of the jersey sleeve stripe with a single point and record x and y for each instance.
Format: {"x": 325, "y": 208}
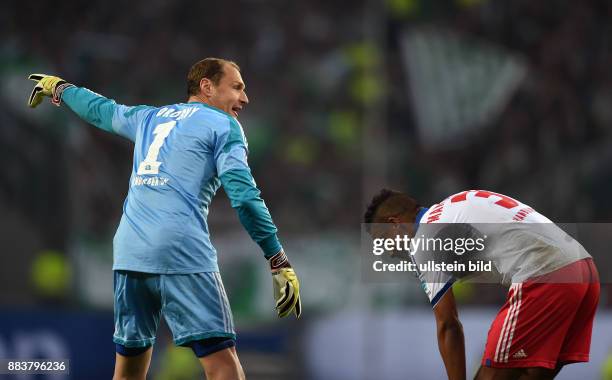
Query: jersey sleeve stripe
{"x": 436, "y": 298}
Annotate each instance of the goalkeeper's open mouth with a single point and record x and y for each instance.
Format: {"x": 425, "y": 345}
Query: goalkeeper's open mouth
{"x": 236, "y": 110}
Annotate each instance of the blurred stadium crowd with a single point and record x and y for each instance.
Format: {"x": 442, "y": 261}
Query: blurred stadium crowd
{"x": 345, "y": 97}
{"x": 550, "y": 145}
{"x": 313, "y": 72}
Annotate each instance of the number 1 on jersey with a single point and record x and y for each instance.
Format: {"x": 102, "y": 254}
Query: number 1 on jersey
{"x": 150, "y": 165}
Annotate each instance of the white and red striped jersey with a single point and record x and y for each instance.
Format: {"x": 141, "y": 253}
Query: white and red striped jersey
{"x": 520, "y": 243}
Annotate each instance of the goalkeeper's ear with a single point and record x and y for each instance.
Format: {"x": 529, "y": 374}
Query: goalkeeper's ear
{"x": 207, "y": 87}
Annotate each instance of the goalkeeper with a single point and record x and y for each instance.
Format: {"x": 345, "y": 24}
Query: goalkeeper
{"x": 163, "y": 260}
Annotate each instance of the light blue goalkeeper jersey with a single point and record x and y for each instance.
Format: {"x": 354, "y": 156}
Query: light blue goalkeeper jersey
{"x": 182, "y": 154}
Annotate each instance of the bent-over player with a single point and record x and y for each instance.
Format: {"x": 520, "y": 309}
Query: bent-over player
{"x": 547, "y": 319}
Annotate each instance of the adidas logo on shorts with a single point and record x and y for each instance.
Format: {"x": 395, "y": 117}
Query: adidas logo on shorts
{"x": 520, "y": 354}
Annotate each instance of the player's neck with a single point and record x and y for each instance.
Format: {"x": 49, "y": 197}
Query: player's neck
{"x": 199, "y": 99}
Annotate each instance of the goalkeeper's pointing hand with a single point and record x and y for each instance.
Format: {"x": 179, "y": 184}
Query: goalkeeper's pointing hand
{"x": 286, "y": 286}
{"x": 47, "y": 85}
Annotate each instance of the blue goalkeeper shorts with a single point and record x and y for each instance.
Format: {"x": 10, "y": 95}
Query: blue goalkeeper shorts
{"x": 194, "y": 306}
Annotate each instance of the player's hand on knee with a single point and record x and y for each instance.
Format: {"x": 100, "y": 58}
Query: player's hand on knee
{"x": 286, "y": 286}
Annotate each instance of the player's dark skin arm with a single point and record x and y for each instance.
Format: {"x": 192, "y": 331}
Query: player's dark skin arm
{"x": 450, "y": 336}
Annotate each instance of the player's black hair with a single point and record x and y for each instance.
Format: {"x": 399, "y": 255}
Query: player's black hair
{"x": 211, "y": 68}
{"x": 388, "y": 203}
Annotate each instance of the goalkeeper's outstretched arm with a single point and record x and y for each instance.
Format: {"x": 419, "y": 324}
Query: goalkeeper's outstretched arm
{"x": 93, "y": 108}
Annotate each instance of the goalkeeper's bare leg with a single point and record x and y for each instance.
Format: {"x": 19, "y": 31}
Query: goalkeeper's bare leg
{"x": 223, "y": 365}
{"x": 132, "y": 367}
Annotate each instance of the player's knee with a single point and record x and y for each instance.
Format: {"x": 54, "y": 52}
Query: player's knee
{"x": 234, "y": 373}
{"x": 224, "y": 370}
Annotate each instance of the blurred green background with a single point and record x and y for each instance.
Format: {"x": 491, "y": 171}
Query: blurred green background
{"x": 346, "y": 97}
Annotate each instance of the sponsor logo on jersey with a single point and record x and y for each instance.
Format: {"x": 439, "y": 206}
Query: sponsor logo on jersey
{"x": 520, "y": 354}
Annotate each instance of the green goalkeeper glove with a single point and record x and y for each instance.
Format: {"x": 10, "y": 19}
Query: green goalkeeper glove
{"x": 286, "y": 286}
{"x": 47, "y": 85}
